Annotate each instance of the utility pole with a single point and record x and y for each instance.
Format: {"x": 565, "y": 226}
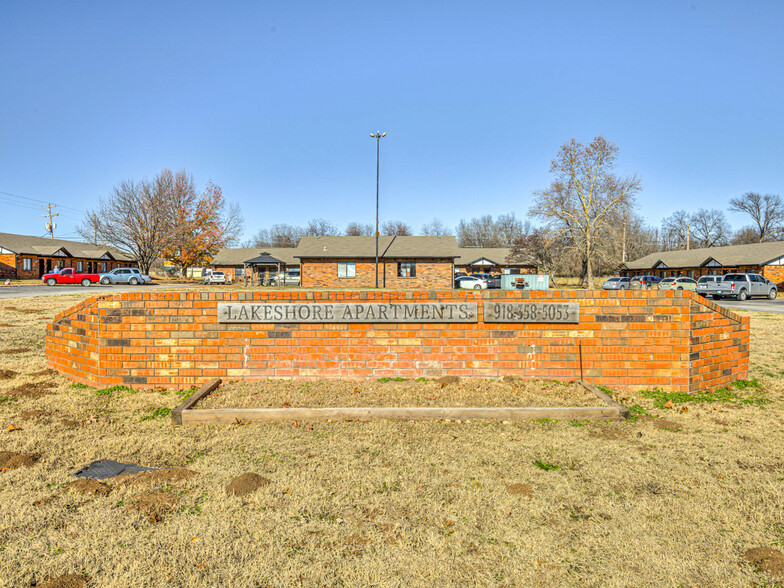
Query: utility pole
{"x": 50, "y": 226}
{"x": 688, "y": 236}
{"x": 377, "y": 136}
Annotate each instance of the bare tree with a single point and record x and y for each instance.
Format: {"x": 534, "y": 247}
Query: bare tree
{"x": 766, "y": 211}
{"x": 261, "y": 239}
{"x": 584, "y": 195}
{"x": 710, "y": 228}
{"x": 478, "y": 232}
{"x": 435, "y": 228}
{"x": 396, "y": 227}
{"x": 135, "y": 219}
{"x": 746, "y": 236}
{"x": 359, "y": 230}
{"x": 88, "y": 229}
{"x": 319, "y": 227}
{"x": 675, "y": 230}
{"x": 283, "y": 235}
{"x": 508, "y": 229}
{"x": 536, "y": 246}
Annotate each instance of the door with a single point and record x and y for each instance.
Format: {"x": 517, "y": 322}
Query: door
{"x": 41, "y": 268}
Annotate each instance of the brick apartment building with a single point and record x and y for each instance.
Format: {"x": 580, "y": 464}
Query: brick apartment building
{"x": 26, "y": 257}
{"x": 491, "y": 260}
{"x": 766, "y": 259}
{"x": 232, "y": 261}
{"x": 403, "y": 262}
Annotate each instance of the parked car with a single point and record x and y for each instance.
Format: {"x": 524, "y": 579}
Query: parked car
{"x": 288, "y": 278}
{"x": 616, "y": 284}
{"x": 471, "y": 283}
{"x": 677, "y": 283}
{"x": 460, "y": 275}
{"x": 702, "y": 284}
{"x": 493, "y": 282}
{"x": 742, "y": 285}
{"x": 69, "y": 276}
{"x": 125, "y": 275}
{"x": 215, "y": 278}
{"x": 644, "y": 282}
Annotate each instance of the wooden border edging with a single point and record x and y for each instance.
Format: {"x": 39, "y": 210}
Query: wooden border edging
{"x": 176, "y": 414}
{"x": 267, "y": 415}
{"x": 625, "y": 413}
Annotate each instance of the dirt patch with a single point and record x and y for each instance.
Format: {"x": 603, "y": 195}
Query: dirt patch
{"x": 45, "y": 500}
{"x": 66, "y": 581}
{"x": 70, "y": 424}
{"x": 766, "y": 559}
{"x": 154, "y": 506}
{"x": 32, "y": 389}
{"x": 448, "y": 380}
{"x": 246, "y": 484}
{"x": 29, "y": 415}
{"x": 46, "y": 372}
{"x": 167, "y": 476}
{"x": 24, "y": 310}
{"x": 7, "y": 326}
{"x": 8, "y": 374}
{"x": 90, "y": 487}
{"x": 10, "y": 460}
{"x": 523, "y": 489}
{"x": 15, "y": 351}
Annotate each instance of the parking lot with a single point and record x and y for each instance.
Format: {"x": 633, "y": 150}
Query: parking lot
{"x": 757, "y": 304}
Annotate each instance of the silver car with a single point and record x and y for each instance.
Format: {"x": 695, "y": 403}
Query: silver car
{"x": 617, "y": 284}
{"x": 125, "y": 275}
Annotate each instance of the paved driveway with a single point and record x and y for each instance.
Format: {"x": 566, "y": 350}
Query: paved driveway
{"x": 95, "y": 289}
{"x": 758, "y": 304}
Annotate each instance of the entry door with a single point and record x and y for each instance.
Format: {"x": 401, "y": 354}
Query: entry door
{"x": 40, "y": 267}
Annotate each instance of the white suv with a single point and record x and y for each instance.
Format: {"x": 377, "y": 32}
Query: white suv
{"x": 215, "y": 278}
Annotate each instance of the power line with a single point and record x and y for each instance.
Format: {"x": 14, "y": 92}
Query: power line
{"x": 44, "y": 201}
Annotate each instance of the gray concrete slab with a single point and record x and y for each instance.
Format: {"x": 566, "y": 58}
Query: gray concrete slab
{"x": 755, "y": 304}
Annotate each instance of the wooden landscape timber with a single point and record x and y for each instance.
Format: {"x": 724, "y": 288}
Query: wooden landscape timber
{"x": 185, "y": 414}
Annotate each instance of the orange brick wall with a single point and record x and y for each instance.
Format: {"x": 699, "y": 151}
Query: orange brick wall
{"x": 633, "y": 339}
{"x": 774, "y": 273}
{"x": 430, "y": 273}
{"x": 7, "y": 265}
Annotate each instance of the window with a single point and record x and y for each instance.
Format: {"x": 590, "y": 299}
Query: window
{"x": 406, "y": 269}
{"x": 27, "y": 264}
{"x": 103, "y": 267}
{"x": 239, "y": 272}
{"x": 347, "y": 269}
{"x": 79, "y": 266}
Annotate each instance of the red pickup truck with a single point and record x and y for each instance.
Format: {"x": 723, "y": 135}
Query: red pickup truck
{"x": 69, "y": 276}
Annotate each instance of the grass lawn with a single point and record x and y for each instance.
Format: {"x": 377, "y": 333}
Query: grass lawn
{"x": 690, "y": 492}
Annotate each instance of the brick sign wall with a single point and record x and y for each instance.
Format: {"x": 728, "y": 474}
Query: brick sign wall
{"x": 640, "y": 339}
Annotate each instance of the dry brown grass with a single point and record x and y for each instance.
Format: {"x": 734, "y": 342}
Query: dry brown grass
{"x": 673, "y": 499}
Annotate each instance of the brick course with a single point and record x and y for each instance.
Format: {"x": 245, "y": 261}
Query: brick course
{"x": 672, "y": 340}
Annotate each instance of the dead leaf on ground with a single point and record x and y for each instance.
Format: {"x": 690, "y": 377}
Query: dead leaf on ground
{"x": 669, "y": 404}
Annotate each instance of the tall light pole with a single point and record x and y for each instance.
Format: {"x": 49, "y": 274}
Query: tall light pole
{"x": 377, "y": 136}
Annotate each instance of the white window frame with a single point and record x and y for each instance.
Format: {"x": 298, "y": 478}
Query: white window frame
{"x": 347, "y": 269}
{"x": 27, "y": 264}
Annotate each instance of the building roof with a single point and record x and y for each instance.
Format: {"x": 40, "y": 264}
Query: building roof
{"x": 496, "y": 255}
{"x": 264, "y": 259}
{"x": 388, "y": 247}
{"x": 728, "y": 256}
{"x": 43, "y": 246}
{"x": 239, "y": 255}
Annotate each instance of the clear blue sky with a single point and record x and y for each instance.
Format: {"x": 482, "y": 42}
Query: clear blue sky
{"x": 275, "y": 101}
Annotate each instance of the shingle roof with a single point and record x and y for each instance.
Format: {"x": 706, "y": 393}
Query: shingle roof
{"x": 44, "y": 246}
{"x": 264, "y": 259}
{"x": 388, "y": 247}
{"x": 239, "y": 255}
{"x": 728, "y": 256}
{"x": 497, "y": 255}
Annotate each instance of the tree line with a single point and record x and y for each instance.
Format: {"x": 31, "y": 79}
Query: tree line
{"x": 585, "y": 223}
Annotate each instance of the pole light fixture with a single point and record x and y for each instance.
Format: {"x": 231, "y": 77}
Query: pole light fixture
{"x": 377, "y": 136}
